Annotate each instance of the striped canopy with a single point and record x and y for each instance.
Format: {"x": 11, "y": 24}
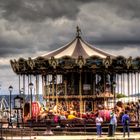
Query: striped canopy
{"x": 77, "y": 47}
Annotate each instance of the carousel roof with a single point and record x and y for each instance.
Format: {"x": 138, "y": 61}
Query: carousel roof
{"x": 77, "y": 47}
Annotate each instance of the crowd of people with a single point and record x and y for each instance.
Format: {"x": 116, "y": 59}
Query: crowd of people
{"x": 132, "y": 108}
{"x": 119, "y": 113}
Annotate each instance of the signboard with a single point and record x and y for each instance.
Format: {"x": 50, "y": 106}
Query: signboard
{"x": 17, "y": 103}
{"x": 86, "y": 87}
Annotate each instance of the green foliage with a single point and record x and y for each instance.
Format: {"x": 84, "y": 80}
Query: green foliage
{"x": 120, "y": 95}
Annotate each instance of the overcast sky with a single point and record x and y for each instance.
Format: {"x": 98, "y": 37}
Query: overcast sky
{"x": 31, "y": 28}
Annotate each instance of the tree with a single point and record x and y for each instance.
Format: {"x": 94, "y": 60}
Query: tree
{"x": 120, "y": 95}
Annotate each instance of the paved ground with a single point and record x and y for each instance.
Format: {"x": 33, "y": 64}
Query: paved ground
{"x": 118, "y": 136}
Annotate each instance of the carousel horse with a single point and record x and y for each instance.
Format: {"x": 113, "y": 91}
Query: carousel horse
{"x": 57, "y": 108}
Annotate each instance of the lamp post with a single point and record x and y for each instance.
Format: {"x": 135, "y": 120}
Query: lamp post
{"x": 10, "y": 90}
{"x": 17, "y": 106}
{"x": 114, "y": 87}
{"x": 22, "y": 102}
{"x": 31, "y": 87}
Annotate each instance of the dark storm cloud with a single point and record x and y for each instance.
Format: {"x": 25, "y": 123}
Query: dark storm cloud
{"x": 117, "y": 24}
{"x": 41, "y": 11}
{"x": 127, "y": 8}
{"x": 38, "y": 10}
{"x": 114, "y": 43}
{"x": 13, "y": 48}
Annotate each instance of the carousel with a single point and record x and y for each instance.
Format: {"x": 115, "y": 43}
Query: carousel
{"x": 77, "y": 76}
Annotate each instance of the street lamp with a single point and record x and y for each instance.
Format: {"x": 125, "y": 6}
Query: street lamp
{"x": 18, "y": 106}
{"x": 10, "y": 90}
{"x": 22, "y": 102}
{"x": 31, "y": 87}
{"x": 114, "y": 87}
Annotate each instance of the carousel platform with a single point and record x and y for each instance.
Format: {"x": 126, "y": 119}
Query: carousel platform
{"x": 28, "y": 134}
{"x": 134, "y": 136}
{"x": 67, "y": 127}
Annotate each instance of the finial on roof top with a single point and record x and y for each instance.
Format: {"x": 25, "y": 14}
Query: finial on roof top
{"x": 78, "y": 31}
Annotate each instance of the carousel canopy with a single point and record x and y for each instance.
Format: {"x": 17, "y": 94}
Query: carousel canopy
{"x": 76, "y": 54}
{"x": 77, "y": 47}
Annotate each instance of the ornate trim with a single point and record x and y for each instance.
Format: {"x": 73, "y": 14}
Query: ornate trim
{"x": 80, "y": 61}
{"x": 107, "y": 61}
{"x": 53, "y": 62}
{"x": 15, "y": 65}
{"x": 31, "y": 63}
{"x": 129, "y": 62}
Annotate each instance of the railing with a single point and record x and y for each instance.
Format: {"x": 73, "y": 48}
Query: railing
{"x": 31, "y": 128}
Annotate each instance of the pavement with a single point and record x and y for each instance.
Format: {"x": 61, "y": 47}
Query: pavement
{"x": 118, "y": 136}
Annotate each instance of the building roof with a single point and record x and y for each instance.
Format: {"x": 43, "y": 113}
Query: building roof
{"x": 77, "y": 47}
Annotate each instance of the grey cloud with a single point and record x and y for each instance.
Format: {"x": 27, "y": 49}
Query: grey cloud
{"x": 111, "y": 23}
{"x": 129, "y": 8}
{"x": 35, "y": 10}
{"x": 4, "y": 66}
{"x": 98, "y": 23}
{"x": 14, "y": 48}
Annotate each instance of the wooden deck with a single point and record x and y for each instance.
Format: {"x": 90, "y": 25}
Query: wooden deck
{"x": 63, "y": 127}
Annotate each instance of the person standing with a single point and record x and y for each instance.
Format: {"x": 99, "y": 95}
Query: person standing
{"x": 125, "y": 123}
{"x": 112, "y": 125}
{"x": 99, "y": 121}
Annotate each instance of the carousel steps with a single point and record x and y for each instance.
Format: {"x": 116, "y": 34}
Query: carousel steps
{"x": 59, "y": 131}
{"x": 74, "y": 126}
{"x": 82, "y": 129}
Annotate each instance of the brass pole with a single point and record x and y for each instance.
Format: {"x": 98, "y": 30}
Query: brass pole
{"x": 53, "y": 80}
{"x": 138, "y": 85}
{"x": 43, "y": 85}
{"x": 80, "y": 94}
{"x": 57, "y": 102}
{"x": 128, "y": 85}
{"x": 19, "y": 82}
{"x": 37, "y": 87}
{"x": 65, "y": 93}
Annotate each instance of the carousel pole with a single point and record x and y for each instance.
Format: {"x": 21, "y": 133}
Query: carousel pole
{"x": 138, "y": 87}
{"x": 135, "y": 85}
{"x": 104, "y": 89}
{"x": 65, "y": 93}
{"x": 123, "y": 84}
{"x": 93, "y": 90}
{"x": 80, "y": 94}
{"x": 37, "y": 87}
{"x": 132, "y": 85}
{"x": 19, "y": 83}
{"x": 57, "y": 95}
{"x": 43, "y": 85}
{"x": 128, "y": 85}
{"x": 23, "y": 89}
{"x": 37, "y": 92}
{"x": 53, "y": 87}
{"x": 114, "y": 93}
